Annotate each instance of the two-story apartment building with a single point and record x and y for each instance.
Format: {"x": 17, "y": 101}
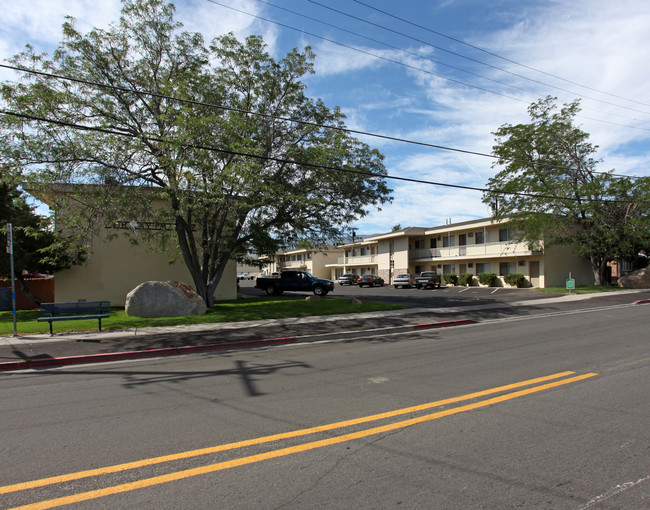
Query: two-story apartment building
{"x": 315, "y": 261}
{"x": 477, "y": 246}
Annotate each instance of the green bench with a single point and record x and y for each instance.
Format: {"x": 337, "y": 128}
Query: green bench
{"x": 51, "y": 312}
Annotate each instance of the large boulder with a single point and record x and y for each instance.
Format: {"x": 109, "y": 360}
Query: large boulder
{"x": 639, "y": 279}
{"x": 164, "y": 299}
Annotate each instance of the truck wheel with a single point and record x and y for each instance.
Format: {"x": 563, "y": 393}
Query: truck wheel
{"x": 271, "y": 290}
{"x": 319, "y": 290}
{"x": 418, "y": 287}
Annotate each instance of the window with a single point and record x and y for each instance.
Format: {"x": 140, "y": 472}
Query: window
{"x": 419, "y": 244}
{"x": 462, "y": 239}
{"x": 419, "y": 269}
{"x": 448, "y": 241}
{"x": 448, "y": 268}
{"x": 482, "y": 268}
{"x": 506, "y": 234}
{"x": 480, "y": 237}
{"x": 507, "y": 268}
{"x": 433, "y": 243}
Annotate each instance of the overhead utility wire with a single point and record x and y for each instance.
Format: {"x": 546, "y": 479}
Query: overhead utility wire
{"x": 408, "y": 52}
{"x": 393, "y": 61}
{"x": 404, "y": 64}
{"x": 285, "y": 119}
{"x": 470, "y": 58}
{"x": 506, "y": 59}
{"x": 422, "y": 57}
{"x": 149, "y": 138}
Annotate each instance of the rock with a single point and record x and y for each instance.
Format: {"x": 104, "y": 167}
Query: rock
{"x": 313, "y": 298}
{"x": 164, "y": 299}
{"x": 639, "y": 279}
{"x": 355, "y": 301}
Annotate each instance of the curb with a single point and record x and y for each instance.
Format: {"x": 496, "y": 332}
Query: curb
{"x": 190, "y": 349}
{"x": 444, "y": 324}
{"x": 149, "y": 353}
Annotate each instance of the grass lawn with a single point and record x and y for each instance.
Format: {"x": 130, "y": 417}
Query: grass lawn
{"x": 276, "y": 307}
{"x": 583, "y": 289}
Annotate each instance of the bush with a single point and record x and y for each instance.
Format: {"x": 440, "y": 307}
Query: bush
{"x": 465, "y": 278}
{"x": 451, "y": 278}
{"x": 488, "y": 279}
{"x": 515, "y": 279}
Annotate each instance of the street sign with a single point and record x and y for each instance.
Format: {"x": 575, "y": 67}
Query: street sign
{"x": 10, "y": 240}
{"x": 570, "y": 284}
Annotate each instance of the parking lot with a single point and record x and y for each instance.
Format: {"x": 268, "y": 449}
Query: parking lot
{"x": 445, "y": 295}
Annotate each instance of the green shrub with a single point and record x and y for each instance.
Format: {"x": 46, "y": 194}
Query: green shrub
{"x": 488, "y": 279}
{"x": 515, "y": 279}
{"x": 451, "y": 278}
{"x": 465, "y": 278}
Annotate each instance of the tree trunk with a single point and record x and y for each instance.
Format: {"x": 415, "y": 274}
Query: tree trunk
{"x": 27, "y": 291}
{"x": 598, "y": 265}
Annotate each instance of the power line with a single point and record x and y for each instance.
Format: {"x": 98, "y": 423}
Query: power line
{"x": 369, "y": 53}
{"x": 469, "y": 58}
{"x": 422, "y": 57}
{"x": 423, "y": 70}
{"x": 284, "y": 119}
{"x": 149, "y": 138}
{"x": 496, "y": 55}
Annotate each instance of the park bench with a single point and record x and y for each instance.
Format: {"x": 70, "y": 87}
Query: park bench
{"x": 51, "y": 312}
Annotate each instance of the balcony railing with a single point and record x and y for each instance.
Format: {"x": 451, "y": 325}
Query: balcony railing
{"x": 292, "y": 264}
{"x": 472, "y": 250}
{"x": 364, "y": 259}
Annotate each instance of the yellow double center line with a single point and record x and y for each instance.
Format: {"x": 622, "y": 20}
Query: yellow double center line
{"x": 179, "y": 475}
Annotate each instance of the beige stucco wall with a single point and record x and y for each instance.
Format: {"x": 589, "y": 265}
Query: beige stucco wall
{"x": 559, "y": 261}
{"x": 115, "y": 268}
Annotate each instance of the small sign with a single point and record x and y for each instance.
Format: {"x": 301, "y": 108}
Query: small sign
{"x": 570, "y": 284}
{"x": 10, "y": 240}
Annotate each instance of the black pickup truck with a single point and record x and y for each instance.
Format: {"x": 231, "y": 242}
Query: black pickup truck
{"x": 296, "y": 281}
{"x": 428, "y": 279}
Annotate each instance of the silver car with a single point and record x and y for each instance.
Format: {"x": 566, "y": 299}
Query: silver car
{"x": 406, "y": 281}
{"x": 348, "y": 279}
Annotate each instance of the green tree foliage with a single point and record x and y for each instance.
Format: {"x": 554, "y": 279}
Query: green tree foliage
{"x": 37, "y": 248}
{"x": 550, "y": 189}
{"x": 237, "y": 176}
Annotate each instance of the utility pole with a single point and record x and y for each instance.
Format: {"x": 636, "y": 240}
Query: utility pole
{"x": 10, "y": 251}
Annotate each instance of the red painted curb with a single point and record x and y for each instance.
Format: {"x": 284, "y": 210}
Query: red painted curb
{"x": 443, "y": 324}
{"x": 642, "y": 301}
{"x": 149, "y": 353}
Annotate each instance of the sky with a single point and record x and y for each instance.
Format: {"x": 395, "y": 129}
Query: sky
{"x": 440, "y": 73}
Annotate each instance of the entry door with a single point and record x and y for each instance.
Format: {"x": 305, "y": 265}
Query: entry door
{"x": 534, "y": 273}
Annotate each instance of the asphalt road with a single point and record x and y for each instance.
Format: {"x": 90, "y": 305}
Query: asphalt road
{"x": 527, "y": 412}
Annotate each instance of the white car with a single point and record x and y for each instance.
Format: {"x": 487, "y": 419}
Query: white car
{"x": 406, "y": 281}
{"x": 245, "y": 276}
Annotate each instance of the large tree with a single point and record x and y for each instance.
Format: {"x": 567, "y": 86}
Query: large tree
{"x": 550, "y": 189}
{"x": 223, "y": 134}
{"x": 37, "y": 248}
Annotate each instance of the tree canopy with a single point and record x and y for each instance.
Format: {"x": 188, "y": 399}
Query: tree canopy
{"x": 36, "y": 247}
{"x": 550, "y": 189}
{"x": 144, "y": 113}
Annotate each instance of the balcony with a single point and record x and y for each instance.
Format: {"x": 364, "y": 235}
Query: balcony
{"x": 503, "y": 249}
{"x": 292, "y": 264}
{"x": 358, "y": 260}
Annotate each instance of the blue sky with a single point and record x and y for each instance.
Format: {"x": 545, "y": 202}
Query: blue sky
{"x": 446, "y": 73}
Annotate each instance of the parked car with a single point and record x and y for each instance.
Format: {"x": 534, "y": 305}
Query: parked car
{"x": 428, "y": 279}
{"x": 245, "y": 276}
{"x": 370, "y": 280}
{"x": 406, "y": 281}
{"x": 348, "y": 279}
{"x": 294, "y": 281}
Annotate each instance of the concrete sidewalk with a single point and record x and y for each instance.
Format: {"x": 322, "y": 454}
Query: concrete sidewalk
{"x": 38, "y": 351}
